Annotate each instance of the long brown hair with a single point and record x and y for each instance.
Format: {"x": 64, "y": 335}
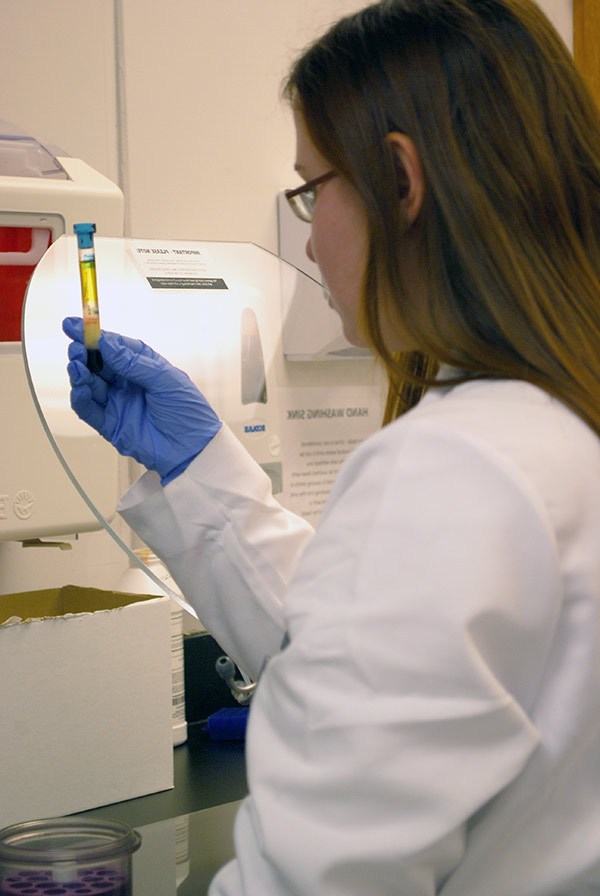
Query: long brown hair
{"x": 509, "y": 231}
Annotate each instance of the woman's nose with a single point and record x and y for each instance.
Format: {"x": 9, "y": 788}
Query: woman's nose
{"x": 309, "y": 250}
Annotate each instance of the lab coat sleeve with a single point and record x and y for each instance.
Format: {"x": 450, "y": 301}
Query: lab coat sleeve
{"x": 228, "y": 544}
{"x": 420, "y": 618}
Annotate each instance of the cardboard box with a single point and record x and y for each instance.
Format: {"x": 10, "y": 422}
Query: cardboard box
{"x": 85, "y": 697}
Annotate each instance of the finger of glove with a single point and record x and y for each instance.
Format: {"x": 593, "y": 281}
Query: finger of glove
{"x": 77, "y": 351}
{"x": 133, "y": 359}
{"x": 117, "y": 342}
{"x": 87, "y": 409}
{"x": 73, "y": 328}
{"x": 79, "y": 375}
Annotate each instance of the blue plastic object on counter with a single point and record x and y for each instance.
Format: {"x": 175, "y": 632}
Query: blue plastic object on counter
{"x": 228, "y": 723}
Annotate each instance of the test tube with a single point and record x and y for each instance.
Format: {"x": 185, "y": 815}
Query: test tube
{"x": 89, "y": 294}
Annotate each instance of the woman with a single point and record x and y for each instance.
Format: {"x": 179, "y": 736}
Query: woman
{"x": 433, "y": 724}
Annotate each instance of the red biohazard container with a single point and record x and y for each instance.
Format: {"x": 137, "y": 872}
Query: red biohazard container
{"x": 23, "y": 236}
{"x": 20, "y": 250}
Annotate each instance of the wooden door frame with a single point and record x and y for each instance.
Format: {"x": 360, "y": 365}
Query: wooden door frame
{"x": 586, "y": 42}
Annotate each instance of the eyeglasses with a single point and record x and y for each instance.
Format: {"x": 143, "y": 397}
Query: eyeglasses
{"x": 302, "y": 200}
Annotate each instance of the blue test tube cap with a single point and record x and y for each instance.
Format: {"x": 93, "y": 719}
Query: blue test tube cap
{"x": 85, "y": 238}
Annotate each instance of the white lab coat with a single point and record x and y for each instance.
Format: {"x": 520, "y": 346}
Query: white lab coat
{"x": 434, "y": 724}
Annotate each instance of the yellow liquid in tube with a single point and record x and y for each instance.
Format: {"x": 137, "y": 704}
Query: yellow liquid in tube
{"x": 89, "y": 295}
{"x": 89, "y": 299}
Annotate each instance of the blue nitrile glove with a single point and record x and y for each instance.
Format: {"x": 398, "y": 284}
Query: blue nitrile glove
{"x": 145, "y": 407}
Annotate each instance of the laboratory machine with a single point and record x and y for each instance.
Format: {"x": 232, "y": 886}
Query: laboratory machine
{"x": 43, "y": 193}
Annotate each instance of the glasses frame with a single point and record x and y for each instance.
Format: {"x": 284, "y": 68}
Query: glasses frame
{"x": 291, "y": 195}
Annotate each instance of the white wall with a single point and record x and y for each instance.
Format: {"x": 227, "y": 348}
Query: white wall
{"x": 57, "y": 71}
{"x": 209, "y": 142}
{"x": 179, "y": 102}
{"x": 560, "y": 13}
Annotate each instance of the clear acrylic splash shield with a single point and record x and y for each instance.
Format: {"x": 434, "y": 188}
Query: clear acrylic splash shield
{"x": 213, "y": 309}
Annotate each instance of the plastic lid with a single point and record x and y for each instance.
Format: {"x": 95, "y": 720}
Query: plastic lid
{"x": 23, "y": 155}
{"x": 85, "y": 239}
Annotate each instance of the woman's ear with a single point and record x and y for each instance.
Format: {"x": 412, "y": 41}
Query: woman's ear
{"x": 411, "y": 182}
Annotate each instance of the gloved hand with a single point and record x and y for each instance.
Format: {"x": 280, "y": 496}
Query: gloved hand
{"x": 145, "y": 407}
